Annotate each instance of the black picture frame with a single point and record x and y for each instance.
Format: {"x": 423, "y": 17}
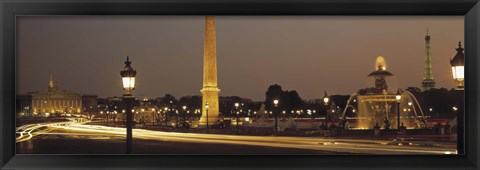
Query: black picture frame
{"x": 9, "y": 9}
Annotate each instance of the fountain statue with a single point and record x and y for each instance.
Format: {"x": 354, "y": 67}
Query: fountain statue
{"x": 261, "y": 118}
{"x": 378, "y": 105}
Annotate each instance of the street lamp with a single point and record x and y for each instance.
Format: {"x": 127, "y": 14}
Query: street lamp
{"x": 275, "y": 102}
{"x": 153, "y": 114}
{"x": 176, "y": 118}
{"x": 236, "y": 111}
{"x": 128, "y": 78}
{"x": 107, "y": 117}
{"x": 325, "y": 102}
{"x": 398, "y": 97}
{"x": 206, "y": 109}
{"x": 169, "y": 111}
{"x": 458, "y": 64}
{"x": 184, "y": 116}
{"x": 166, "y": 117}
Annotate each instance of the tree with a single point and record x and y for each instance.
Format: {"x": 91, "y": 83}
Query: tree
{"x": 340, "y": 100}
{"x": 227, "y": 104}
{"x": 440, "y": 100}
{"x": 288, "y": 100}
{"x": 165, "y": 101}
{"x": 414, "y": 90}
{"x": 192, "y": 103}
{"x": 274, "y": 92}
{"x": 293, "y": 101}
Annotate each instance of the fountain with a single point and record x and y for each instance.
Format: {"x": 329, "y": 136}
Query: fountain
{"x": 261, "y": 118}
{"x": 378, "y": 106}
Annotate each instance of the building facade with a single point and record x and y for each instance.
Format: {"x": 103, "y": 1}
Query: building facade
{"x": 55, "y": 101}
{"x": 24, "y": 105}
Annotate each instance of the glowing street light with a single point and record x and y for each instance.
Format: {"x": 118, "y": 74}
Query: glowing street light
{"x": 326, "y": 99}
{"x": 325, "y": 103}
{"x": 184, "y": 116}
{"x": 458, "y": 65}
{"x": 237, "y": 113}
{"x": 206, "y": 109}
{"x": 128, "y": 78}
{"x": 275, "y": 103}
{"x": 398, "y": 97}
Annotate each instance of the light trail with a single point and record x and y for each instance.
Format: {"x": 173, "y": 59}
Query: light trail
{"x": 36, "y": 129}
{"x": 359, "y": 146}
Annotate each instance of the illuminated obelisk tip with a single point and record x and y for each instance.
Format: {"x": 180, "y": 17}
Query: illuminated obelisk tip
{"x": 210, "y": 89}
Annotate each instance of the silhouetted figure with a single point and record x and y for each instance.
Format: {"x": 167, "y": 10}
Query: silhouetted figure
{"x": 387, "y": 124}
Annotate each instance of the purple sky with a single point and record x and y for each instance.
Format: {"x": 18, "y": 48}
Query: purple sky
{"x": 309, "y": 54}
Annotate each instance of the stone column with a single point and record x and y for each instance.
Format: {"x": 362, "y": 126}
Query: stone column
{"x": 210, "y": 89}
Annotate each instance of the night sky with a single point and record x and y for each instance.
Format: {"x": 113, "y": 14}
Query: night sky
{"x": 309, "y": 54}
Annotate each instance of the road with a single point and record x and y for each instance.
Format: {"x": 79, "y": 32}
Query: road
{"x": 197, "y": 143}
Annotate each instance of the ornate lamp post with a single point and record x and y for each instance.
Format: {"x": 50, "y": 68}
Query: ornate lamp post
{"x": 176, "y": 118}
{"x": 128, "y": 78}
{"x": 184, "y": 116}
{"x": 275, "y": 102}
{"x": 206, "y": 109}
{"x": 398, "y": 97}
{"x": 325, "y": 103}
{"x": 153, "y": 114}
{"x": 236, "y": 112}
{"x": 458, "y": 65}
{"x": 169, "y": 111}
{"x": 107, "y": 117}
{"x": 166, "y": 116}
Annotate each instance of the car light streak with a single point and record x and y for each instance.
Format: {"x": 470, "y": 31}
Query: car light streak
{"x": 34, "y": 129}
{"x": 360, "y": 146}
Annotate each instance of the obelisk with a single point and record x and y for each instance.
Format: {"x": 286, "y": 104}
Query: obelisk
{"x": 210, "y": 89}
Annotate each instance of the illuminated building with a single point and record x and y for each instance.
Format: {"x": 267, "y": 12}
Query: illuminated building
{"x": 55, "y": 101}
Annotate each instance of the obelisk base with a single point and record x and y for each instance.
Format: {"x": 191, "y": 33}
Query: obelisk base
{"x": 210, "y": 95}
